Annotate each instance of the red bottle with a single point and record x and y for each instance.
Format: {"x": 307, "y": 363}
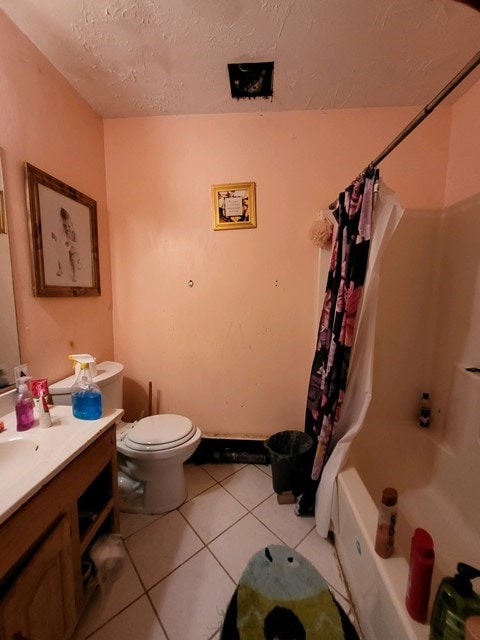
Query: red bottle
{"x": 422, "y": 557}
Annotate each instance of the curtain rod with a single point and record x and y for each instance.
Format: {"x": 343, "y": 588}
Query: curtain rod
{"x": 426, "y": 111}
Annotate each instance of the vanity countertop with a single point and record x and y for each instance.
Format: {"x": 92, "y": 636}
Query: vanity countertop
{"x": 29, "y": 459}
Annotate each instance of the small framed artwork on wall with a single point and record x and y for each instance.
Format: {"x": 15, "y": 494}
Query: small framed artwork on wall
{"x": 63, "y": 237}
{"x": 234, "y": 206}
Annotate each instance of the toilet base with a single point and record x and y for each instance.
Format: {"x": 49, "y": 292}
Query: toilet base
{"x": 163, "y": 491}
{"x": 167, "y": 492}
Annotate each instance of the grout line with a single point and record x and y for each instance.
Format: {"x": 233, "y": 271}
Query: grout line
{"x": 225, "y": 530}
{"x": 268, "y": 529}
{"x": 305, "y": 536}
{"x": 173, "y": 570}
{"x": 147, "y": 524}
{"x": 134, "y": 567}
{"x": 249, "y": 509}
{"x": 89, "y": 635}
{"x": 235, "y": 583}
{"x": 205, "y": 545}
{"x": 200, "y": 493}
{"x": 259, "y": 467}
{"x": 157, "y": 616}
{"x": 227, "y": 476}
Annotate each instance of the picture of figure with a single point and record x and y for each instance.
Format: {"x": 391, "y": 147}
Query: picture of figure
{"x": 68, "y": 257}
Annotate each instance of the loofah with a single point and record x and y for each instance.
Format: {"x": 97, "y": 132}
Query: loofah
{"x": 321, "y": 233}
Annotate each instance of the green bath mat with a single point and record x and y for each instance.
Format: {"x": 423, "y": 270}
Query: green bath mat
{"x": 281, "y": 596}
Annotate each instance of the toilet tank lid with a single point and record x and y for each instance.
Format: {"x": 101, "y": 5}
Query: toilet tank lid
{"x": 107, "y": 372}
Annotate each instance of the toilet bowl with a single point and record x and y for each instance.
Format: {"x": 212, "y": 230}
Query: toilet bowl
{"x": 151, "y": 451}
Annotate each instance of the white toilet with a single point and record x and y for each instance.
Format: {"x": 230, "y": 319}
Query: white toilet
{"x": 151, "y": 451}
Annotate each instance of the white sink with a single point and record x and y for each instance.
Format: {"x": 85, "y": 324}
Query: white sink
{"x": 30, "y": 459}
{"x": 17, "y": 457}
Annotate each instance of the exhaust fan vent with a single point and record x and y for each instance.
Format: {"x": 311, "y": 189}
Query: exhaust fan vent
{"x": 251, "y": 79}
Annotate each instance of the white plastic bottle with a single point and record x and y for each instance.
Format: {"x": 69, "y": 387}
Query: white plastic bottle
{"x": 44, "y": 417}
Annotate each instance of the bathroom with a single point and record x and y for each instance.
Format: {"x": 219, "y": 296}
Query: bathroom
{"x": 234, "y": 350}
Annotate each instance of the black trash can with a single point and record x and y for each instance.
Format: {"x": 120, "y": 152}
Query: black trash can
{"x": 291, "y": 455}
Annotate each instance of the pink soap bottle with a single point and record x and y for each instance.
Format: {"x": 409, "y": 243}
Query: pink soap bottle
{"x": 24, "y": 405}
{"x": 422, "y": 558}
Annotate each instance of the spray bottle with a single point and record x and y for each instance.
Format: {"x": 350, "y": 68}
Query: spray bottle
{"x": 86, "y": 395}
{"x": 24, "y": 405}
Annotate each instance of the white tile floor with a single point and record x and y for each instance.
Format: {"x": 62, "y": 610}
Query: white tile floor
{"x": 182, "y": 567}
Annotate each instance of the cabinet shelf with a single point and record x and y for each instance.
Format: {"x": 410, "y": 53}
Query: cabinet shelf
{"x": 95, "y": 525}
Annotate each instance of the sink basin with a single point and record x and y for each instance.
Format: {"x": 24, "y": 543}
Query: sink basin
{"x": 17, "y": 457}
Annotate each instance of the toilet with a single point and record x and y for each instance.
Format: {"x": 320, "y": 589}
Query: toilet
{"x": 151, "y": 451}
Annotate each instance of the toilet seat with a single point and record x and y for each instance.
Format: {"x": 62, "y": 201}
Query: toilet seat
{"x": 160, "y": 432}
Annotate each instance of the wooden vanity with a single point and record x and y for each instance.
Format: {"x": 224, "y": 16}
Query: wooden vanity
{"x": 45, "y": 540}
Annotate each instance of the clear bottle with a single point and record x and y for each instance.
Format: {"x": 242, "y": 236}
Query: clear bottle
{"x": 24, "y": 405}
{"x": 86, "y": 395}
{"x": 425, "y": 411}
{"x": 387, "y": 519}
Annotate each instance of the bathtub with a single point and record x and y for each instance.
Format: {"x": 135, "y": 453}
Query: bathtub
{"x": 437, "y": 474}
{"x": 377, "y": 587}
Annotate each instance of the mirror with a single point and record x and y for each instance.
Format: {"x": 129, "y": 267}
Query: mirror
{"x": 9, "y": 347}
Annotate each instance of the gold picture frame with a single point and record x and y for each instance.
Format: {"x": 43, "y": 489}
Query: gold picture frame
{"x": 234, "y": 206}
{"x": 63, "y": 237}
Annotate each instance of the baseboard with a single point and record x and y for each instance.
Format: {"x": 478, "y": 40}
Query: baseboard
{"x": 240, "y": 450}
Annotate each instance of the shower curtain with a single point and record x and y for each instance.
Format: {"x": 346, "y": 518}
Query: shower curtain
{"x": 335, "y": 410}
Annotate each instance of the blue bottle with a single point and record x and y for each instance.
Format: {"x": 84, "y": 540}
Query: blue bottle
{"x": 86, "y": 395}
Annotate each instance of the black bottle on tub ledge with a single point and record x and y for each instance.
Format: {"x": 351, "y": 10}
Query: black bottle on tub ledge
{"x": 425, "y": 411}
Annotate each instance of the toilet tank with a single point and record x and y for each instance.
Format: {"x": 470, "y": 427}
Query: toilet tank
{"x": 109, "y": 378}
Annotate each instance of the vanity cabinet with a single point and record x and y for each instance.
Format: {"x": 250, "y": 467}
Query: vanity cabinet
{"x": 40, "y": 605}
{"x": 42, "y": 592}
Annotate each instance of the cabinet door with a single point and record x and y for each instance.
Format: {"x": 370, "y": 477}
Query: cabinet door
{"x": 40, "y": 604}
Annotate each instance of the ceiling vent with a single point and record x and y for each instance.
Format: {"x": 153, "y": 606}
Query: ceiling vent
{"x": 251, "y": 80}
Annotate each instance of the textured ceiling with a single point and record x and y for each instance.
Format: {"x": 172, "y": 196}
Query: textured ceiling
{"x": 165, "y": 57}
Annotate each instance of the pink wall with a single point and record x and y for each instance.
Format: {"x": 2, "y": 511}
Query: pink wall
{"x": 44, "y": 122}
{"x": 463, "y": 178}
{"x": 234, "y": 352}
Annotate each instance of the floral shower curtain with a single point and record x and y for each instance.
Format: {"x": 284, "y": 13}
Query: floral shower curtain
{"x": 343, "y": 293}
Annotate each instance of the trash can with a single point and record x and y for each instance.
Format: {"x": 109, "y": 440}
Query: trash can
{"x": 291, "y": 458}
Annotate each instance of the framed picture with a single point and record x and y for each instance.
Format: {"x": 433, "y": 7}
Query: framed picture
{"x": 63, "y": 237}
{"x": 234, "y": 206}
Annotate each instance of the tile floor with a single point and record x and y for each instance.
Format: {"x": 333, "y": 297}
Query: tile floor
{"x": 182, "y": 567}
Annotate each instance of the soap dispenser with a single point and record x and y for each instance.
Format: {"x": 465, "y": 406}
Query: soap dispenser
{"x": 454, "y": 603}
{"x": 86, "y": 395}
{"x": 24, "y": 405}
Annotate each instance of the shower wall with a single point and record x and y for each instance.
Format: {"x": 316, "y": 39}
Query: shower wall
{"x": 427, "y": 334}
{"x": 425, "y": 339}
